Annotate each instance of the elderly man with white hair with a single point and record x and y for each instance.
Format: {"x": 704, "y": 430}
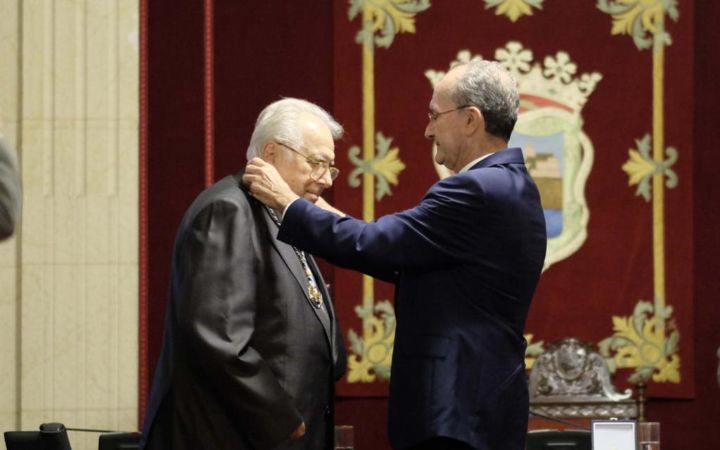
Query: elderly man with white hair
{"x": 252, "y": 347}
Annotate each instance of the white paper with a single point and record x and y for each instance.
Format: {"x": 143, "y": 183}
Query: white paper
{"x": 614, "y": 435}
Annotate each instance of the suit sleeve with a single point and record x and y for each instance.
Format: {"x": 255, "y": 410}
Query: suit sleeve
{"x": 9, "y": 192}
{"x": 434, "y": 233}
{"x": 217, "y": 318}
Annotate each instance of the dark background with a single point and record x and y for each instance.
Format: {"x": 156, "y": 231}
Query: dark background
{"x": 266, "y": 49}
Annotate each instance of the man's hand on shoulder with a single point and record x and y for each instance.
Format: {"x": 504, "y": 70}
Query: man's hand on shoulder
{"x": 266, "y": 185}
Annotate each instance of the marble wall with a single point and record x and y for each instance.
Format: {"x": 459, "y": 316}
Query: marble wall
{"x": 69, "y": 278}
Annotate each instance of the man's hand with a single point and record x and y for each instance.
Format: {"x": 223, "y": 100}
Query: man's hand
{"x": 298, "y": 433}
{"x": 266, "y": 185}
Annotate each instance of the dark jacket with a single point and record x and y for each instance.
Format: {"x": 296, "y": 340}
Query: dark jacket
{"x": 246, "y": 357}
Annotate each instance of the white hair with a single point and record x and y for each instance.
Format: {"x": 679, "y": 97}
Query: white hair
{"x": 280, "y": 120}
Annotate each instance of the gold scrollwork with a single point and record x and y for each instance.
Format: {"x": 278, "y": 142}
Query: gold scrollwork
{"x": 642, "y": 341}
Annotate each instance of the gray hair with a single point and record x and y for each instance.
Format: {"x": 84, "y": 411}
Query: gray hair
{"x": 280, "y": 120}
{"x": 489, "y": 87}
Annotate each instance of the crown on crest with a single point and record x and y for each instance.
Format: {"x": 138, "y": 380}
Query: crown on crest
{"x": 551, "y": 84}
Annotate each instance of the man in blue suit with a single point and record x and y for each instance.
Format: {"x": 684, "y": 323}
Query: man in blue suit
{"x": 465, "y": 261}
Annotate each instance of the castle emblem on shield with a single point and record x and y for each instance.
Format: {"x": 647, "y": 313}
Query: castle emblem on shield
{"x": 558, "y": 153}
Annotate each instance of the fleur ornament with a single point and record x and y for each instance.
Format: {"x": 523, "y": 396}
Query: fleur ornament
{"x": 386, "y": 166}
{"x": 641, "y": 167}
{"x": 389, "y": 17}
{"x": 640, "y": 18}
{"x": 513, "y": 9}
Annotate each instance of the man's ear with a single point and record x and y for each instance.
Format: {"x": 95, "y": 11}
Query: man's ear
{"x": 269, "y": 152}
{"x": 474, "y": 120}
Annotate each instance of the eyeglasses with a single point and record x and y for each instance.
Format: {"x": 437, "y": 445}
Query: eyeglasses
{"x": 318, "y": 166}
{"x": 433, "y": 115}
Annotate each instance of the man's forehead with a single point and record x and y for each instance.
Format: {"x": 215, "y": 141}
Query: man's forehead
{"x": 443, "y": 88}
{"x": 441, "y": 96}
{"x": 324, "y": 150}
{"x": 309, "y": 121}
{"x": 316, "y": 136}
{"x": 323, "y": 153}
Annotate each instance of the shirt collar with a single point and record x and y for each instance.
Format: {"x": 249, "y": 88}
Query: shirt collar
{"x": 473, "y": 162}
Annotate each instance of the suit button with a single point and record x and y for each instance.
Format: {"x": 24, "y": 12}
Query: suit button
{"x": 327, "y": 410}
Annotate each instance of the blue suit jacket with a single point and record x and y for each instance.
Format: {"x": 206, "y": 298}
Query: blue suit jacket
{"x": 465, "y": 261}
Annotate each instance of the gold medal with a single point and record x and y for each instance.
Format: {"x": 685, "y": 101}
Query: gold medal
{"x": 312, "y": 290}
{"x": 314, "y": 294}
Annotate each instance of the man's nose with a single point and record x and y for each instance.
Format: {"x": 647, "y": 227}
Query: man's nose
{"x": 429, "y": 130}
{"x": 325, "y": 180}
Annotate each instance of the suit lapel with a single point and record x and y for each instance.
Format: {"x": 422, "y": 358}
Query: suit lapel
{"x": 292, "y": 261}
{"x": 286, "y": 252}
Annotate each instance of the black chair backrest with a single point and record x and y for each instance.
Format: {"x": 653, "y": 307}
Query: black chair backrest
{"x": 52, "y": 436}
{"x": 559, "y": 440}
{"x": 23, "y": 440}
{"x": 119, "y": 441}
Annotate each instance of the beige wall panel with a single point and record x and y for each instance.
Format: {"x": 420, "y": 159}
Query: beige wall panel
{"x": 67, "y": 335}
{"x": 8, "y": 342}
{"x": 100, "y": 355}
{"x": 74, "y": 321}
{"x": 36, "y": 332}
{"x": 128, "y": 174}
{"x": 127, "y": 343}
{"x": 68, "y": 59}
{"x": 9, "y": 102}
{"x": 36, "y": 61}
{"x": 101, "y": 230}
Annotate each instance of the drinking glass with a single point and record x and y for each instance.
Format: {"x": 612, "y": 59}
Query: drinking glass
{"x": 649, "y": 435}
{"x": 344, "y": 437}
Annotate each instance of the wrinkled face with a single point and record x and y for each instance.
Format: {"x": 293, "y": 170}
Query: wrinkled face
{"x": 445, "y": 129}
{"x": 302, "y": 169}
